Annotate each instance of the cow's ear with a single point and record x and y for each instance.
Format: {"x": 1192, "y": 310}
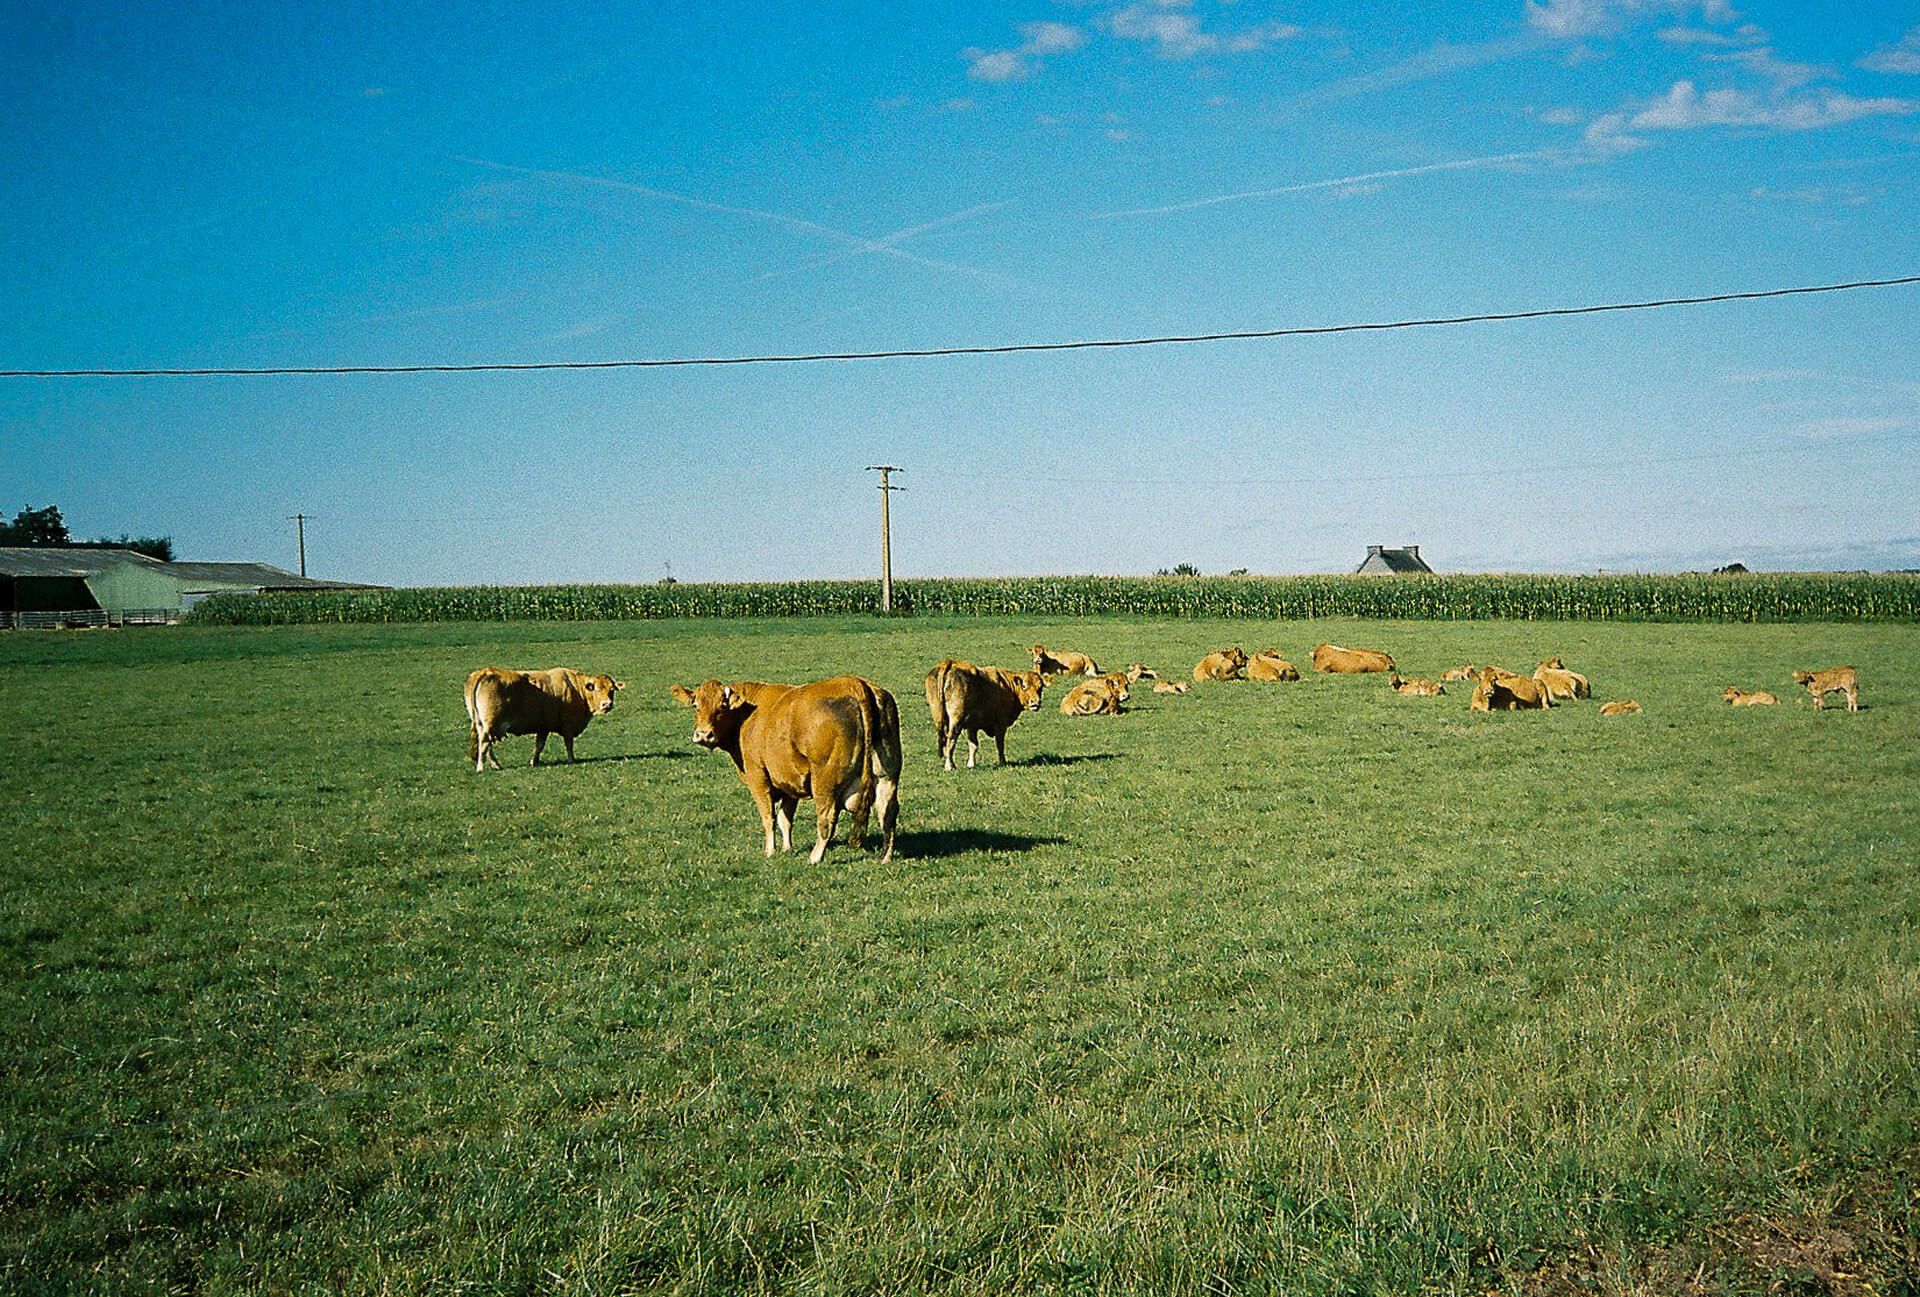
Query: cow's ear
{"x": 619, "y": 684}
{"x": 681, "y": 694}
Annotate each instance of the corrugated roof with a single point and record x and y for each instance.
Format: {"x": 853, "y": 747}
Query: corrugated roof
{"x": 66, "y": 561}
{"x": 257, "y": 576}
{"x": 1405, "y": 561}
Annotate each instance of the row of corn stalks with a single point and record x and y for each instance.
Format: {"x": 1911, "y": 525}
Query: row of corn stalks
{"x": 1749, "y": 598}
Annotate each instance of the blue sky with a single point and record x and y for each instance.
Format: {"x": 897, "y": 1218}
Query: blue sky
{"x": 269, "y": 185}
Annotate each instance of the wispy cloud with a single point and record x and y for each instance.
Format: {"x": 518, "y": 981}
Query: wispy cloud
{"x": 886, "y": 240}
{"x": 1686, "y": 107}
{"x": 1351, "y": 183}
{"x": 1903, "y": 57}
{"x": 856, "y": 242}
{"x": 1041, "y": 40}
{"x": 1840, "y": 195}
{"x": 1176, "y": 32}
{"x": 1763, "y": 62}
{"x": 1745, "y": 34}
{"x": 1576, "y": 19}
{"x": 1439, "y": 60}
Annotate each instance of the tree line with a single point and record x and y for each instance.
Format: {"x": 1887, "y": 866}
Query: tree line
{"x": 33, "y": 526}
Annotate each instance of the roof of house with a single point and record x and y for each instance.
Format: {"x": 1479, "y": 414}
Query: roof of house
{"x": 67, "y": 561}
{"x": 1406, "y": 560}
{"x": 259, "y": 576}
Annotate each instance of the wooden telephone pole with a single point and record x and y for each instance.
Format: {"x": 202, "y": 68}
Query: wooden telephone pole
{"x": 886, "y": 532}
{"x": 299, "y": 521}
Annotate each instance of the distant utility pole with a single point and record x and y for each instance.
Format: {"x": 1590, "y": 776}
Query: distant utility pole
{"x": 886, "y": 532}
{"x": 299, "y": 521}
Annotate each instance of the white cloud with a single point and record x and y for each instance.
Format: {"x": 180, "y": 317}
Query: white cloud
{"x": 1746, "y": 34}
{"x": 1762, "y": 62}
{"x": 1573, "y": 19}
{"x": 1904, "y": 57}
{"x": 1042, "y": 40}
{"x": 1176, "y": 33}
{"x": 1686, "y": 107}
{"x": 1843, "y": 195}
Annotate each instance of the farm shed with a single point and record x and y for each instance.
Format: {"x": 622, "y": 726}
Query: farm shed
{"x": 72, "y": 585}
{"x": 1392, "y": 562}
{"x": 35, "y": 579}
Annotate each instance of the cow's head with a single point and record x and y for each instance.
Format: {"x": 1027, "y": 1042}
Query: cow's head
{"x": 1237, "y": 656}
{"x": 1027, "y": 687}
{"x": 1140, "y": 671}
{"x": 1553, "y": 664}
{"x": 1803, "y": 677}
{"x": 1116, "y": 683}
{"x": 717, "y": 712}
{"x": 1038, "y": 653}
{"x": 600, "y": 691}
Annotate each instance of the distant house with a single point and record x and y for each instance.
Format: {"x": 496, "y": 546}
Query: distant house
{"x": 1392, "y": 562}
{"x": 59, "y": 585}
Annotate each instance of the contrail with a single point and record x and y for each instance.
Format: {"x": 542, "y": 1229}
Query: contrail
{"x": 854, "y": 241}
{"x": 886, "y": 240}
{"x": 1463, "y": 164}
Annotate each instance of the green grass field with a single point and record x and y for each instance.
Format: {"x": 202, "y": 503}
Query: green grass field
{"x": 1292, "y": 988}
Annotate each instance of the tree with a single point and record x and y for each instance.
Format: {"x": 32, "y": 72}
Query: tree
{"x": 33, "y": 526}
{"x": 160, "y": 547}
{"x": 1178, "y": 569}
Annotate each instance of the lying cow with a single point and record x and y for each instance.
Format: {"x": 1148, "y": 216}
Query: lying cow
{"x": 1500, "y": 691}
{"x": 1063, "y": 663}
{"x": 962, "y": 696}
{"x": 1346, "y": 661}
{"x": 555, "y": 701}
{"x": 1453, "y": 674}
{"x": 1415, "y": 688}
{"x": 1140, "y": 671}
{"x": 1268, "y": 665}
{"x": 1735, "y": 696}
{"x": 1560, "y": 682}
{"x": 836, "y": 741}
{"x": 1101, "y": 696}
{"x": 1834, "y": 680}
{"x": 1227, "y": 664}
{"x": 1172, "y": 687}
{"x": 1619, "y": 707}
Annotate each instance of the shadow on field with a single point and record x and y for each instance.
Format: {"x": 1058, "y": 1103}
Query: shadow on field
{"x": 932, "y": 844}
{"x": 1060, "y": 759}
{"x": 669, "y": 755}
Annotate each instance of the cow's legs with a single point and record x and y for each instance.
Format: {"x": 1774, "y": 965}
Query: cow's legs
{"x": 826, "y": 799}
{"x": 480, "y": 753}
{"x": 1853, "y": 699}
{"x": 886, "y": 798}
{"x": 783, "y": 809}
{"x": 947, "y": 741}
{"x": 568, "y": 740}
{"x": 763, "y": 802}
{"x": 973, "y": 747}
{"x": 859, "y": 809}
{"x": 1000, "y": 742}
{"x": 539, "y": 742}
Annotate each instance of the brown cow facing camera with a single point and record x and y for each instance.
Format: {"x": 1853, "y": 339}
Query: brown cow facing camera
{"x": 555, "y": 701}
{"x": 1834, "y": 680}
{"x": 964, "y": 697}
{"x": 836, "y": 741}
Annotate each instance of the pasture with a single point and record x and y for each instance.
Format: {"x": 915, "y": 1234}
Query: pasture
{"x": 1271, "y": 988}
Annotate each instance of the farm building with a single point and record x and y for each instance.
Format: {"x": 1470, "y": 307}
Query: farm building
{"x": 83, "y": 586}
{"x": 1392, "y": 562}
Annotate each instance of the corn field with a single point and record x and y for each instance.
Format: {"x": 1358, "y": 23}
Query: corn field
{"x": 1747, "y": 598}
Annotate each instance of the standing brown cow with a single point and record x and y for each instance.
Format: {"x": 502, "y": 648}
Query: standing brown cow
{"x": 836, "y": 741}
{"x": 962, "y": 696}
{"x": 556, "y": 701}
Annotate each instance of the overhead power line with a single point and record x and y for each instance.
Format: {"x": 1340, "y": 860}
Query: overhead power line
{"x": 914, "y": 353}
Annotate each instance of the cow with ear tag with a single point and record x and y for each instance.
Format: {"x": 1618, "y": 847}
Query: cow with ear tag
{"x": 555, "y": 701}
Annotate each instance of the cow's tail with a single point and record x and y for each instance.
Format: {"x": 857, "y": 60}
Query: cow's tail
{"x": 937, "y": 701}
{"x": 473, "y": 717}
{"x": 882, "y": 716}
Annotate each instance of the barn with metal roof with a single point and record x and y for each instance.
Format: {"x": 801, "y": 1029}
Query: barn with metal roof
{"x": 53, "y": 585}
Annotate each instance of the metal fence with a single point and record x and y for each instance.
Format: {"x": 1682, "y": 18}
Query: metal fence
{"x": 89, "y": 618}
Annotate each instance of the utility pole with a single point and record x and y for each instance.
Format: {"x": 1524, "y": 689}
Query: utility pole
{"x": 299, "y": 521}
{"x": 886, "y": 532}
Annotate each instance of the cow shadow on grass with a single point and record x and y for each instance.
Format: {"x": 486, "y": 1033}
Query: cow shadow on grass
{"x": 669, "y": 755}
{"x": 1064, "y": 759}
{"x": 934, "y": 844}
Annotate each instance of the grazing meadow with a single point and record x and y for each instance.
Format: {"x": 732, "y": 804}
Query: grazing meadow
{"x": 1289, "y": 988}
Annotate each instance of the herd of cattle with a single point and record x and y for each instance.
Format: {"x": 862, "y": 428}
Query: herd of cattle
{"x": 837, "y": 741}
